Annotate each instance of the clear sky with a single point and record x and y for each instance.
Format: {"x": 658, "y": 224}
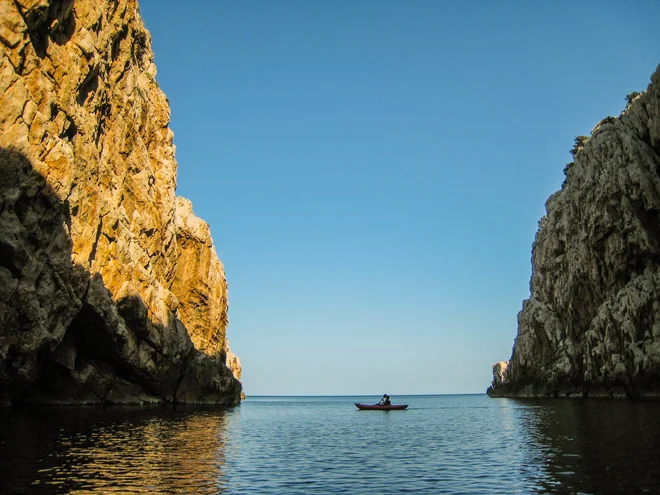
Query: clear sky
{"x": 373, "y": 171}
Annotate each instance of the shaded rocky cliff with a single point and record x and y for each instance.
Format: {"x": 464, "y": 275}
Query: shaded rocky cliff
{"x": 111, "y": 287}
{"x": 591, "y": 326}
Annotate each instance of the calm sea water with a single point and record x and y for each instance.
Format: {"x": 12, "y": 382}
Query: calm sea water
{"x": 320, "y": 445}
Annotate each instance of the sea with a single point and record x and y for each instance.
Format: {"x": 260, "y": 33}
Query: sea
{"x": 459, "y": 444}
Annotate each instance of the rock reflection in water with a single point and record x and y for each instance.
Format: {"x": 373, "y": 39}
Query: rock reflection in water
{"x": 593, "y": 445}
{"x": 116, "y": 450}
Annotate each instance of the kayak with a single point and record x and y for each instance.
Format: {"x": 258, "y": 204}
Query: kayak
{"x": 380, "y": 407}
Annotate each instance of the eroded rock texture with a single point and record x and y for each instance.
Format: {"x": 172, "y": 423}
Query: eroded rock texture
{"x": 105, "y": 274}
{"x": 592, "y": 323}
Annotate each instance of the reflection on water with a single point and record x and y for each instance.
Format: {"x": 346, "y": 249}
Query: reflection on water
{"x": 116, "y": 450}
{"x": 594, "y": 446}
{"x": 441, "y": 444}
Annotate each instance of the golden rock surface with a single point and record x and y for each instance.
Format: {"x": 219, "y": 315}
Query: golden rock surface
{"x": 80, "y": 102}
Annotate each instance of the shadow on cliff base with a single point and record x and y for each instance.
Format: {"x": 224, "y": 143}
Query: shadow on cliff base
{"x": 63, "y": 339}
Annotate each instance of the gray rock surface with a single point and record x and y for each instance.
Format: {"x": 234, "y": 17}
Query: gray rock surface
{"x": 591, "y": 326}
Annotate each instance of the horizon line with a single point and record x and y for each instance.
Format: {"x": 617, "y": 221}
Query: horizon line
{"x": 363, "y": 395}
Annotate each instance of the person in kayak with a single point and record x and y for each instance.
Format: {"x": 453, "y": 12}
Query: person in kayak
{"x": 385, "y": 401}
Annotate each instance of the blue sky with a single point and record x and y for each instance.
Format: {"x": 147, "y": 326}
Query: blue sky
{"x": 373, "y": 171}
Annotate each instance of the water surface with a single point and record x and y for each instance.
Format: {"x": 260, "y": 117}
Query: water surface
{"x": 319, "y": 445}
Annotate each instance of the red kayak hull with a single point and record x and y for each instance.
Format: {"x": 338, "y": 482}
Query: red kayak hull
{"x": 380, "y": 407}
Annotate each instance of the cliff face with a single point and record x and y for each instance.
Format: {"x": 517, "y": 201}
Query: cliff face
{"x": 106, "y": 275}
{"x": 201, "y": 287}
{"x": 592, "y": 323}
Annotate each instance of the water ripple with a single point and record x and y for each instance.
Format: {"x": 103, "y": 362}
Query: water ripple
{"x": 443, "y": 444}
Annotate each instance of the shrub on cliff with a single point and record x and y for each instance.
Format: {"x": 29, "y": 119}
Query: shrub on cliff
{"x": 580, "y": 141}
{"x": 630, "y": 97}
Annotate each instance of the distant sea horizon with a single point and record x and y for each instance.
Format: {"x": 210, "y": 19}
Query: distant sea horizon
{"x": 361, "y": 395}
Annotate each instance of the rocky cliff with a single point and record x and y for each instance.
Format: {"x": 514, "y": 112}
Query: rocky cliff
{"x": 591, "y": 326}
{"x": 111, "y": 290}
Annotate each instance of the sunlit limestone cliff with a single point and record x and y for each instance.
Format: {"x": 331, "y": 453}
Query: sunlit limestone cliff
{"x": 591, "y": 326}
{"x": 110, "y": 287}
